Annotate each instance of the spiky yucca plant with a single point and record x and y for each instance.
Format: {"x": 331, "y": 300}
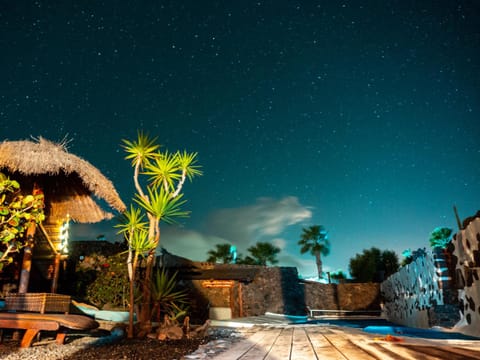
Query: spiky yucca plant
{"x": 162, "y": 200}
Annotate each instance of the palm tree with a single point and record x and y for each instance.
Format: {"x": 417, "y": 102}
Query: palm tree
{"x": 263, "y": 252}
{"x": 314, "y": 239}
{"x": 222, "y": 253}
{"x": 440, "y": 237}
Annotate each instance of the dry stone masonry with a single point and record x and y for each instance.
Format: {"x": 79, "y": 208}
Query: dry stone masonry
{"x": 440, "y": 288}
{"x": 411, "y": 293}
{"x": 466, "y": 258}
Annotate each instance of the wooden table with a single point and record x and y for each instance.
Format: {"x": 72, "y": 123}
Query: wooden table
{"x": 297, "y": 342}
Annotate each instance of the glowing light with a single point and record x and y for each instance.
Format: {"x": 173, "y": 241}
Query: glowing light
{"x": 233, "y": 252}
{"x": 63, "y": 248}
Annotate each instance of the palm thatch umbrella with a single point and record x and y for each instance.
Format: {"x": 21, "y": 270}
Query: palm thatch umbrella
{"x": 70, "y": 184}
{"x": 67, "y": 181}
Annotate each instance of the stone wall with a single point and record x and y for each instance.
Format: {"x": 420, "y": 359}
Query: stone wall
{"x": 276, "y": 290}
{"x": 441, "y": 288}
{"x": 279, "y": 290}
{"x": 348, "y": 296}
{"x": 465, "y": 248}
{"x": 203, "y": 299}
{"x": 414, "y": 296}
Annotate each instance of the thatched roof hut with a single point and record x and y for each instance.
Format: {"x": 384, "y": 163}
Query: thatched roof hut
{"x": 71, "y": 187}
{"x": 67, "y": 181}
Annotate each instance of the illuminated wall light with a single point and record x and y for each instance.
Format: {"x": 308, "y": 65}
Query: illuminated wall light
{"x": 64, "y": 234}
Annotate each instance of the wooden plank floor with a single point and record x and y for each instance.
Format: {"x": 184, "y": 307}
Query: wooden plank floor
{"x": 297, "y": 342}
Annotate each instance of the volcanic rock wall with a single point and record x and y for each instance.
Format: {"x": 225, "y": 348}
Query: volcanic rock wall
{"x": 276, "y": 290}
{"x": 466, "y": 259}
{"x": 279, "y": 290}
{"x": 414, "y": 296}
{"x": 348, "y": 296}
{"x": 440, "y": 288}
{"x": 273, "y": 289}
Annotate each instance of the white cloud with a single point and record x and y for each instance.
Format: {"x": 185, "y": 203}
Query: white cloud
{"x": 194, "y": 245}
{"x": 243, "y": 227}
{"x": 267, "y": 218}
{"x": 280, "y": 243}
{"x": 190, "y": 244}
{"x": 305, "y": 265}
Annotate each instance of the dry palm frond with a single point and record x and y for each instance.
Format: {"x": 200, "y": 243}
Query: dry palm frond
{"x": 68, "y": 180}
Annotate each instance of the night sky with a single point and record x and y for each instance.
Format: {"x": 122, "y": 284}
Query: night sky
{"x": 361, "y": 116}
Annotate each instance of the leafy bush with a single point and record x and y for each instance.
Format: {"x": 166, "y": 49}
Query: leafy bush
{"x": 440, "y": 237}
{"x": 338, "y": 275}
{"x": 105, "y": 280}
{"x": 373, "y": 265}
{"x": 17, "y": 212}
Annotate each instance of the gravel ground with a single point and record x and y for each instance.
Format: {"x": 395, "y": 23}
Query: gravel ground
{"x": 102, "y": 346}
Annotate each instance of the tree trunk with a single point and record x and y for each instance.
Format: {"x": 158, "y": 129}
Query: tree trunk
{"x": 146, "y": 311}
{"x": 56, "y": 272}
{"x": 27, "y": 259}
{"x": 318, "y": 261}
{"x": 132, "y": 298}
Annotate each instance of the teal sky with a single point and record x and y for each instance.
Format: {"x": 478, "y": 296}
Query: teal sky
{"x": 358, "y": 116}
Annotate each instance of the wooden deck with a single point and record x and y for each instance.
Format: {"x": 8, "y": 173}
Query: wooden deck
{"x": 339, "y": 343}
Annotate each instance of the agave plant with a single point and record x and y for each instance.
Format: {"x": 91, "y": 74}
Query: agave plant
{"x": 166, "y": 298}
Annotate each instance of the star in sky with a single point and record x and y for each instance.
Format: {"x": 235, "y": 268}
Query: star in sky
{"x": 359, "y": 117}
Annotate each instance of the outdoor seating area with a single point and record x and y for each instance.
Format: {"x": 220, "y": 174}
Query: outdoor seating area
{"x": 34, "y": 323}
{"x": 34, "y": 267}
{"x": 36, "y": 312}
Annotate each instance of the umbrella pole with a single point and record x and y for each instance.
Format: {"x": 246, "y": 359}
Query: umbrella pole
{"x": 27, "y": 259}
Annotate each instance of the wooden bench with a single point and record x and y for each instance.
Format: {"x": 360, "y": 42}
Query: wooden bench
{"x": 35, "y": 312}
{"x": 34, "y": 323}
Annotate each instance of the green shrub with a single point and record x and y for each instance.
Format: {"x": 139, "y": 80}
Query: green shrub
{"x": 440, "y": 237}
{"x": 105, "y": 280}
